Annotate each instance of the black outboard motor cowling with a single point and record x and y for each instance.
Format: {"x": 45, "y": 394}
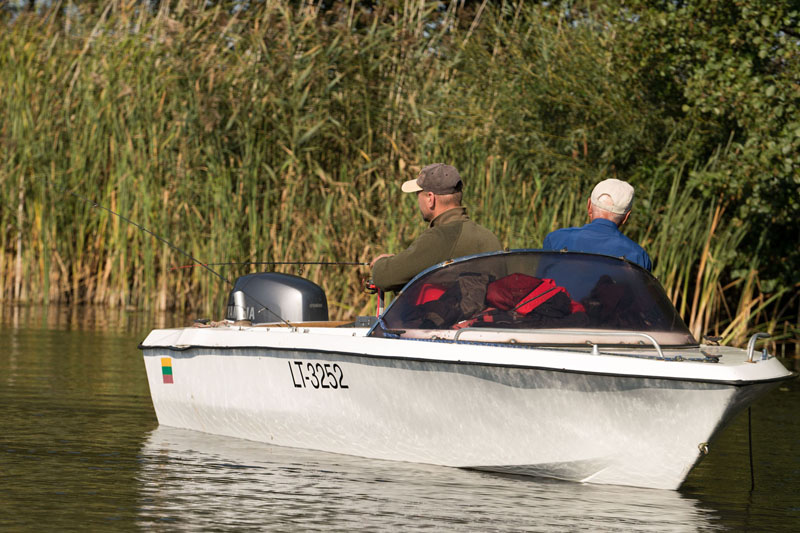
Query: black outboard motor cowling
{"x": 269, "y": 297}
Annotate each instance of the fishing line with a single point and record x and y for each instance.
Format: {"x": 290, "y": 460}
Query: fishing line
{"x": 174, "y": 247}
{"x": 750, "y": 446}
{"x": 165, "y": 241}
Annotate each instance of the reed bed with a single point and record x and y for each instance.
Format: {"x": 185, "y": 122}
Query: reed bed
{"x": 283, "y": 133}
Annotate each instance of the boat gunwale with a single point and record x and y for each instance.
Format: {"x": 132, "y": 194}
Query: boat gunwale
{"x": 734, "y": 383}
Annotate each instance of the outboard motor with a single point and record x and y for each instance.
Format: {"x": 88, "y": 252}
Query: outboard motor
{"x": 288, "y": 297}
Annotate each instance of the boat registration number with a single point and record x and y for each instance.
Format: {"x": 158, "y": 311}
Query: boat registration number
{"x": 308, "y": 374}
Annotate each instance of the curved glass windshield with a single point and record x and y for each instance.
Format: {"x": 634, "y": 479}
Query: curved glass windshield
{"x": 535, "y": 290}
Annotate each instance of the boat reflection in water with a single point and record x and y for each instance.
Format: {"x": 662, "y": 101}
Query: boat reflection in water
{"x": 563, "y": 365}
{"x": 202, "y": 482}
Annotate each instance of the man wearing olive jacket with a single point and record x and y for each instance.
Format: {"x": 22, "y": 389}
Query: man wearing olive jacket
{"x": 451, "y": 233}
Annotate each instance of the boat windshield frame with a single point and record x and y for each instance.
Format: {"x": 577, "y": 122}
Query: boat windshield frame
{"x": 571, "y": 292}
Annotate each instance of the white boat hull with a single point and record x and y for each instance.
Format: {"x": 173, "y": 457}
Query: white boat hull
{"x": 525, "y": 411}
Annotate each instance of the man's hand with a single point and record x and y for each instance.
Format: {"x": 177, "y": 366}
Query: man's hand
{"x": 372, "y": 264}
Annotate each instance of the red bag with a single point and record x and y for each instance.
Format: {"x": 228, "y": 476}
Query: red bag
{"x": 508, "y": 291}
{"x": 543, "y": 292}
{"x": 523, "y": 293}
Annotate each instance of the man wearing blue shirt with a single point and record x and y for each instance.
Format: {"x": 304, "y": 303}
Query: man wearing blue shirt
{"x": 609, "y": 208}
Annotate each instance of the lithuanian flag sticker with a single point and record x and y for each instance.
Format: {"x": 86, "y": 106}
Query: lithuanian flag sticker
{"x": 166, "y": 369}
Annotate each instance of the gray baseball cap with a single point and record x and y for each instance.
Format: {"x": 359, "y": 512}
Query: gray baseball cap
{"x": 437, "y": 178}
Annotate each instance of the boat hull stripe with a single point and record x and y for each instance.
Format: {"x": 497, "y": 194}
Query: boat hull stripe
{"x": 349, "y": 355}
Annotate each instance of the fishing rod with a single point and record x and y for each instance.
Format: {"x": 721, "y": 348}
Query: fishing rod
{"x": 368, "y": 286}
{"x": 243, "y": 263}
{"x": 173, "y": 246}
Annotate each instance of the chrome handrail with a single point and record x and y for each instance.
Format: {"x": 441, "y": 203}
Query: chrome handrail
{"x": 751, "y": 346}
{"x": 565, "y": 333}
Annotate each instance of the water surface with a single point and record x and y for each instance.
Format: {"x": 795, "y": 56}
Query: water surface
{"x": 80, "y": 448}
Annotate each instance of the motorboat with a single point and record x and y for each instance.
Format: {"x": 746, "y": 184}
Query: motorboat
{"x": 557, "y": 364}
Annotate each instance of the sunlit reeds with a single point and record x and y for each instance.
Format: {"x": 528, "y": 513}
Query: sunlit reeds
{"x": 283, "y": 135}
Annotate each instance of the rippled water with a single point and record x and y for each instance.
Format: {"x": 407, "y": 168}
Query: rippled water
{"x": 80, "y": 448}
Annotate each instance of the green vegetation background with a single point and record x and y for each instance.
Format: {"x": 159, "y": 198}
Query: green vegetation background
{"x": 282, "y": 131}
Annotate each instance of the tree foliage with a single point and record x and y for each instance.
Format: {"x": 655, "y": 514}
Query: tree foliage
{"x": 727, "y": 73}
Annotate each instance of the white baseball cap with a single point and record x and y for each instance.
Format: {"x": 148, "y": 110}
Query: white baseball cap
{"x": 613, "y": 195}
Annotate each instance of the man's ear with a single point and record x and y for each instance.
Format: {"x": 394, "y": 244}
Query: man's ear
{"x": 431, "y": 199}
{"x": 624, "y": 220}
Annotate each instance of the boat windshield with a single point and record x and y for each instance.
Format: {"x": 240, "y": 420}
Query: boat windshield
{"x": 532, "y": 290}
